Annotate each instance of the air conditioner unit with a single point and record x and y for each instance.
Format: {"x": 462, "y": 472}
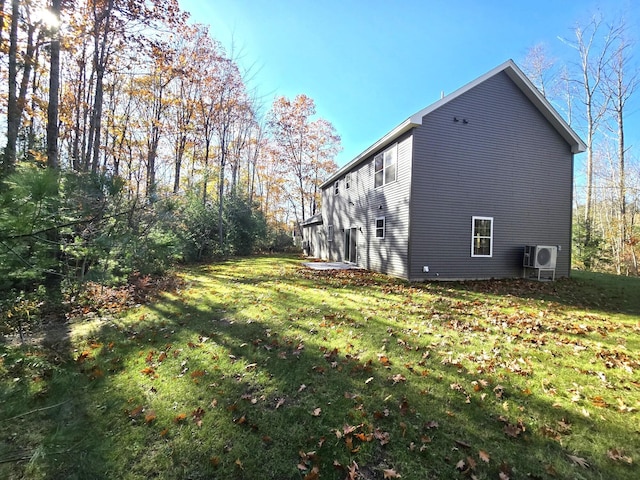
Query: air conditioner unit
{"x": 540, "y": 256}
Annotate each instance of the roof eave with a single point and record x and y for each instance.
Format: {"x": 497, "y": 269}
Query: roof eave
{"x": 516, "y": 75}
{"x": 544, "y": 106}
{"x": 404, "y": 127}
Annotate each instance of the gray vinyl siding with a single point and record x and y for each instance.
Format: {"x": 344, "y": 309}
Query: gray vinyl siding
{"x": 507, "y": 162}
{"x": 360, "y": 205}
{"x": 316, "y": 236}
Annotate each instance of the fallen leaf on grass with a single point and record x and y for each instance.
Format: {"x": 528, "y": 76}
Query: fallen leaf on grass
{"x": 384, "y": 360}
{"x": 463, "y": 443}
{"x": 181, "y": 417}
{"x": 150, "y": 371}
{"x": 578, "y": 461}
{"x": 431, "y": 424}
{"x": 484, "y": 456}
{"x": 352, "y": 474}
{"x": 382, "y": 437}
{"x": 95, "y": 372}
{"x": 472, "y": 463}
{"x": 314, "y": 474}
{"x": 349, "y": 443}
{"x": 136, "y": 411}
{"x": 512, "y": 430}
{"x": 617, "y": 455}
{"x": 622, "y": 407}
{"x": 599, "y": 402}
{"x": 197, "y": 415}
{"x": 83, "y": 356}
{"x": 390, "y": 473}
{"x": 363, "y": 437}
{"x": 150, "y": 416}
{"x": 316, "y": 412}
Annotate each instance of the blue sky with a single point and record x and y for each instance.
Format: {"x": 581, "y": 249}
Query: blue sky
{"x": 370, "y": 64}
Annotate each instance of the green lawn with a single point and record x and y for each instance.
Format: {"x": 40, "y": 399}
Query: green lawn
{"x": 258, "y": 368}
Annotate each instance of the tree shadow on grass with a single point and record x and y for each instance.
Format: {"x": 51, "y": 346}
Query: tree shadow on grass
{"x": 192, "y": 386}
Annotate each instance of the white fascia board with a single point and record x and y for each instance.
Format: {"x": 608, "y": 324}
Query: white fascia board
{"x": 543, "y": 105}
{"x": 405, "y": 126}
{"x": 521, "y": 81}
{"x": 530, "y": 91}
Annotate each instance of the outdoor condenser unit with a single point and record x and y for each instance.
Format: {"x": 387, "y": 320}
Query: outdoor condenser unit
{"x": 540, "y": 256}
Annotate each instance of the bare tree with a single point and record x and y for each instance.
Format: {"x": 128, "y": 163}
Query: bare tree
{"x": 618, "y": 87}
{"x": 594, "y": 55}
{"x": 539, "y": 66}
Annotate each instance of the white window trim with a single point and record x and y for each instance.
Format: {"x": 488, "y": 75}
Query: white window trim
{"x": 473, "y": 237}
{"x": 393, "y": 148}
{"x": 330, "y": 233}
{"x": 347, "y": 181}
{"x": 336, "y": 187}
{"x": 384, "y": 228}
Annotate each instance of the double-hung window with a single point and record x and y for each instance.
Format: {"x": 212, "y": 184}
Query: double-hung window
{"x": 336, "y": 187}
{"x": 482, "y": 236}
{"x": 385, "y": 166}
{"x": 330, "y": 233}
{"x": 380, "y": 227}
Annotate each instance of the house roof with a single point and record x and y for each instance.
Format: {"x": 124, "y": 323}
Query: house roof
{"x": 516, "y": 75}
{"x": 317, "y": 218}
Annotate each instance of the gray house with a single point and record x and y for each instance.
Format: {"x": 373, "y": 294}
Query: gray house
{"x": 457, "y": 190}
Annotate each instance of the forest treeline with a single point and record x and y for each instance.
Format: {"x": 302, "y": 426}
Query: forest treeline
{"x": 133, "y": 141}
{"x": 595, "y": 89}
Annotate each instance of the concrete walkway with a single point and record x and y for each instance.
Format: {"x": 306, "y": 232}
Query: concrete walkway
{"x": 331, "y": 266}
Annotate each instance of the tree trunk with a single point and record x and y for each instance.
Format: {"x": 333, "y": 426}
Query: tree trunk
{"x": 13, "y": 113}
{"x": 99, "y": 64}
{"x": 54, "y": 88}
{"x": 1, "y": 21}
{"x": 182, "y": 143}
{"x": 151, "y": 162}
{"x": 622, "y": 190}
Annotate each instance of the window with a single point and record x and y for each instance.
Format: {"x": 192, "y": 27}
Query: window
{"x": 384, "y": 166}
{"x": 380, "y": 227}
{"x": 482, "y": 237}
{"x": 336, "y": 187}
{"x": 347, "y": 180}
{"x": 330, "y": 233}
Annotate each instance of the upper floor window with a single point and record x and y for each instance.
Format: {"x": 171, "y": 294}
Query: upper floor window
{"x": 347, "y": 180}
{"x": 385, "y": 166}
{"x": 336, "y": 187}
{"x": 482, "y": 236}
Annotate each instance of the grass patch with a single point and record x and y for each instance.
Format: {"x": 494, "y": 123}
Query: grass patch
{"x": 259, "y": 368}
